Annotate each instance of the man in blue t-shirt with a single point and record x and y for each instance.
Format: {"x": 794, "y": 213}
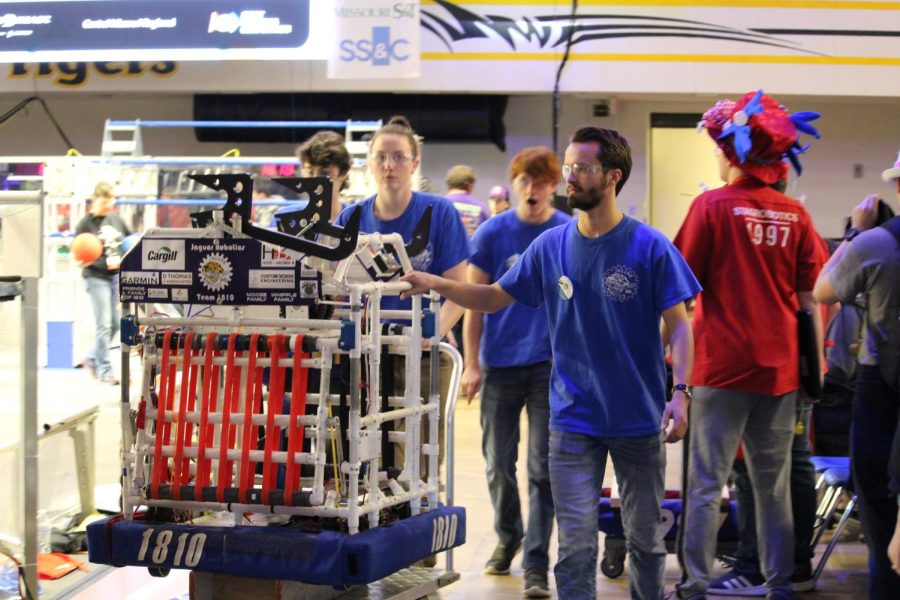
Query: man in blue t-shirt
{"x": 512, "y": 347}
{"x": 605, "y": 280}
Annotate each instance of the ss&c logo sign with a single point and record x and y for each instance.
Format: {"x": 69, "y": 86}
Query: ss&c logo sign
{"x": 380, "y": 50}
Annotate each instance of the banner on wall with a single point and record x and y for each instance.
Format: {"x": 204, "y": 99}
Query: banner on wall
{"x": 100, "y": 30}
{"x": 813, "y": 47}
{"x": 375, "y": 39}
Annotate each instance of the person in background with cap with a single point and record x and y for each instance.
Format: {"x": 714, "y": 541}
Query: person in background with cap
{"x": 460, "y": 185}
{"x": 868, "y": 261}
{"x": 498, "y": 200}
{"x": 756, "y": 254}
{"x": 509, "y": 352}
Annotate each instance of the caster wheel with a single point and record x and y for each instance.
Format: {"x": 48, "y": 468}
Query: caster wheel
{"x": 157, "y": 571}
{"x": 612, "y": 568}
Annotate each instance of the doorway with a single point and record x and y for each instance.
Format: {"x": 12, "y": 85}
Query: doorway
{"x": 682, "y": 165}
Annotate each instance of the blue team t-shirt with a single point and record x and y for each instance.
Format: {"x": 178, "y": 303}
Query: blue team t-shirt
{"x": 518, "y": 335}
{"x": 604, "y": 298}
{"x": 448, "y": 244}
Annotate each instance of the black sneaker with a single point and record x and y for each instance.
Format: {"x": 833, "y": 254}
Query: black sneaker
{"x": 501, "y": 558}
{"x": 735, "y": 583}
{"x": 536, "y": 584}
{"x": 803, "y": 579}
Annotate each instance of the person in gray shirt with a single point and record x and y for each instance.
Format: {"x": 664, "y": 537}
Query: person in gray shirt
{"x": 868, "y": 262}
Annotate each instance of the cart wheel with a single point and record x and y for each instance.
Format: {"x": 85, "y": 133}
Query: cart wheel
{"x": 612, "y": 567}
{"x": 157, "y": 571}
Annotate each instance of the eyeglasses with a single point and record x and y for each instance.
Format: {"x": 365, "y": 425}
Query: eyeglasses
{"x": 523, "y": 181}
{"x": 580, "y": 170}
{"x": 398, "y": 158}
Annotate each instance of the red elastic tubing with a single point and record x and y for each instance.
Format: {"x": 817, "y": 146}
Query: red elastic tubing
{"x": 203, "y": 435}
{"x": 295, "y": 430}
{"x": 213, "y": 407}
{"x": 235, "y": 407}
{"x": 275, "y": 403}
{"x": 248, "y": 468}
{"x": 160, "y": 466}
{"x": 224, "y": 475}
{"x": 182, "y": 425}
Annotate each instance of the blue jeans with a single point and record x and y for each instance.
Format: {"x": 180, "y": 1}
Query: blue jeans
{"x": 506, "y": 391}
{"x": 803, "y": 501}
{"x": 876, "y": 410}
{"x": 106, "y": 322}
{"x": 577, "y": 463}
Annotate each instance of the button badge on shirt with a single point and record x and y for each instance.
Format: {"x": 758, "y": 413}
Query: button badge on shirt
{"x": 565, "y": 288}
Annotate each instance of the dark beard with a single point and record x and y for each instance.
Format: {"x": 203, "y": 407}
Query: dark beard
{"x": 585, "y": 200}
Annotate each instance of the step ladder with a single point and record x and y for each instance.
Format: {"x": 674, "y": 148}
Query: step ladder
{"x": 121, "y": 139}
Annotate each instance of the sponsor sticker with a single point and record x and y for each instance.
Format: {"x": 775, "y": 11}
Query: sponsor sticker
{"x": 307, "y": 271}
{"x": 309, "y": 288}
{"x": 158, "y": 293}
{"x": 165, "y": 255}
{"x": 130, "y": 294}
{"x": 139, "y": 278}
{"x": 279, "y": 280}
{"x": 274, "y": 257}
{"x": 178, "y": 278}
{"x": 179, "y": 295}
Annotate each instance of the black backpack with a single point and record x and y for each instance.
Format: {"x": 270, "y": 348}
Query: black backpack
{"x": 889, "y": 351}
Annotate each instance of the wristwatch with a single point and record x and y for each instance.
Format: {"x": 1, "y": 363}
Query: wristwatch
{"x": 683, "y": 388}
{"x": 851, "y": 233}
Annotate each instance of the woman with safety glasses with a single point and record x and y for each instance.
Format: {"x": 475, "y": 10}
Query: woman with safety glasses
{"x": 397, "y": 208}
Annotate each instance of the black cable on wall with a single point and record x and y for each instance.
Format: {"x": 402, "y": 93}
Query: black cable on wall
{"x": 21, "y": 105}
{"x": 559, "y": 71}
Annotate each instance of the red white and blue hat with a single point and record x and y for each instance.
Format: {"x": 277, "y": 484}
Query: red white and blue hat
{"x": 756, "y": 134}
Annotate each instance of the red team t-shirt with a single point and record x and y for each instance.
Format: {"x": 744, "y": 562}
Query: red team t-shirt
{"x": 751, "y": 248}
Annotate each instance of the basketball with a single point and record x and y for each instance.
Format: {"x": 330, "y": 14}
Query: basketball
{"x": 86, "y": 247}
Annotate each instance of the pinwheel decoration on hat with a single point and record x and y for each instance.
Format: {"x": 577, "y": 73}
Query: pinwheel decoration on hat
{"x": 739, "y": 127}
{"x": 801, "y": 122}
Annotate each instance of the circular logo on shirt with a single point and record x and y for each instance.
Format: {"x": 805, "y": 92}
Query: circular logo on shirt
{"x": 511, "y": 261}
{"x": 620, "y": 283}
{"x": 565, "y": 288}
